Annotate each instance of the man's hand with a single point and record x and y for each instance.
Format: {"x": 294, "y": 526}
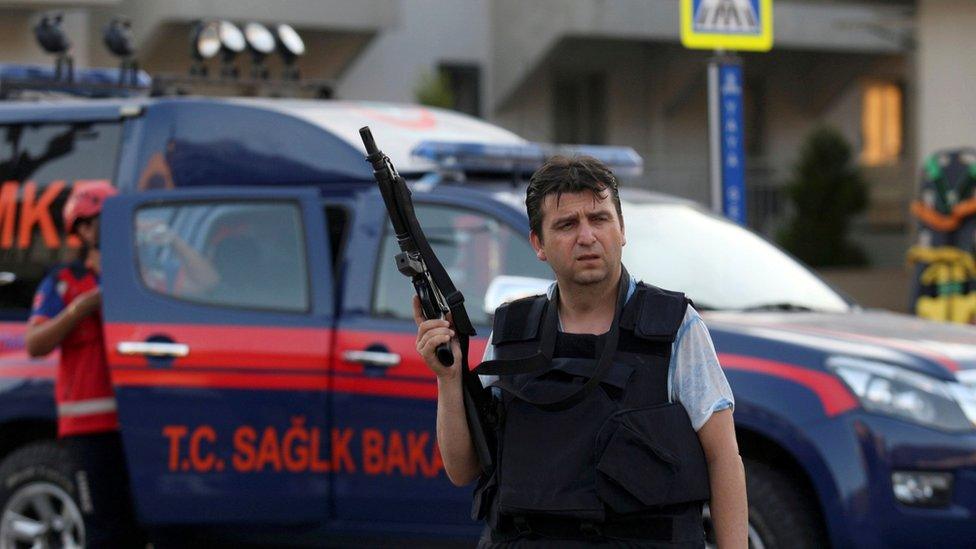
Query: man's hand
{"x": 87, "y": 302}
{"x": 431, "y": 334}
{"x": 153, "y": 232}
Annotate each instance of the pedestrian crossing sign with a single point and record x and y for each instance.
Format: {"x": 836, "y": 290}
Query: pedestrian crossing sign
{"x": 742, "y": 25}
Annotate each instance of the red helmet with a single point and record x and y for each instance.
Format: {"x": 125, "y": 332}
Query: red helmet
{"x": 85, "y": 200}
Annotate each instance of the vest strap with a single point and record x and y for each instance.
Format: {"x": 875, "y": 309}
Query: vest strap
{"x": 543, "y": 358}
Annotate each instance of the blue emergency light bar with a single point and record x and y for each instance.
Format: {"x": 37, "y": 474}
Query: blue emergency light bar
{"x": 474, "y": 157}
{"x": 94, "y": 82}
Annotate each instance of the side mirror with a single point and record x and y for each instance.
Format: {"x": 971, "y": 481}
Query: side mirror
{"x": 507, "y": 288}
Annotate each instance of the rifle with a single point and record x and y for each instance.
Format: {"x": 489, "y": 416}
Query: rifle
{"x": 436, "y": 291}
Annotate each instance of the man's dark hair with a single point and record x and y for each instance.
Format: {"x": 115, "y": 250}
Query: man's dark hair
{"x": 561, "y": 174}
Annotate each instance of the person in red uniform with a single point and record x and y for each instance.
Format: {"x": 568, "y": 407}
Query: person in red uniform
{"x": 67, "y": 314}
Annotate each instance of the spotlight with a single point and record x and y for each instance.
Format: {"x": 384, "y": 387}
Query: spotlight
{"x": 51, "y": 37}
{"x": 259, "y": 38}
{"x": 261, "y": 42}
{"x": 118, "y": 39}
{"x": 291, "y": 46}
{"x": 232, "y": 42}
{"x": 205, "y": 43}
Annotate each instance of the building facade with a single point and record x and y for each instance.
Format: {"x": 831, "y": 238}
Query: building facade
{"x": 891, "y": 76}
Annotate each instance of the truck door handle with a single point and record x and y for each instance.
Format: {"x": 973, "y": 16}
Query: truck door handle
{"x": 151, "y": 348}
{"x": 372, "y": 358}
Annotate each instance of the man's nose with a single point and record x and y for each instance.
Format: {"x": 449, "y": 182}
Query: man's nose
{"x": 586, "y": 234}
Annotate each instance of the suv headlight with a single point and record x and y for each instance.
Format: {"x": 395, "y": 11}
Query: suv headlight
{"x": 899, "y": 392}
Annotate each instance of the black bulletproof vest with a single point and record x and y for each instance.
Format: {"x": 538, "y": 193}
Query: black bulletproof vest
{"x": 621, "y": 450}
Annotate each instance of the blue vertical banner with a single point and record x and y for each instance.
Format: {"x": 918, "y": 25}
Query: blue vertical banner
{"x": 731, "y": 134}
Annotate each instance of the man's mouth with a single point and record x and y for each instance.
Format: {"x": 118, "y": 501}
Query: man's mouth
{"x": 588, "y": 257}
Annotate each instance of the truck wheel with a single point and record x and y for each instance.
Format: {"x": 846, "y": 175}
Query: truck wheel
{"x": 780, "y": 514}
{"x": 38, "y": 500}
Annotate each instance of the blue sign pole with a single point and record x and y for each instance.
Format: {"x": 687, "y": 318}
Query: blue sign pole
{"x": 726, "y": 138}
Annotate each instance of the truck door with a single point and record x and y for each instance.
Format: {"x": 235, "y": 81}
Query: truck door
{"x": 218, "y": 315}
{"x": 385, "y": 396}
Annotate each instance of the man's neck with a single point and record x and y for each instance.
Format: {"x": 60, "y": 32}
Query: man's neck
{"x": 588, "y": 308}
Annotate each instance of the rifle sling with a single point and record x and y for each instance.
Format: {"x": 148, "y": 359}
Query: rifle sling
{"x": 477, "y": 400}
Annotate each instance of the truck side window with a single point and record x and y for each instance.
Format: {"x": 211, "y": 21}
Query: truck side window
{"x": 238, "y": 254}
{"x": 472, "y": 246}
{"x": 38, "y": 165}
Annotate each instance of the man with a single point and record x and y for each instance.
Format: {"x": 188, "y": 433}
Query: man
{"x": 616, "y": 417}
{"x": 67, "y": 313}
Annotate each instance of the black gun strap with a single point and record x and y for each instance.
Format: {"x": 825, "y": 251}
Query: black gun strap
{"x": 396, "y": 196}
{"x": 454, "y": 298}
{"x": 477, "y": 399}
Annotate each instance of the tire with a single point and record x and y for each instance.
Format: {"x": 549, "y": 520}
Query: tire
{"x": 781, "y": 514}
{"x": 38, "y": 499}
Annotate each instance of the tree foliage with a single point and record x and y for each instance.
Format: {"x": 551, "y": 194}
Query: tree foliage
{"x": 434, "y": 90}
{"x": 827, "y": 190}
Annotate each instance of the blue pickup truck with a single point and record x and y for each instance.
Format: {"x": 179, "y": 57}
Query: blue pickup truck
{"x": 283, "y": 401}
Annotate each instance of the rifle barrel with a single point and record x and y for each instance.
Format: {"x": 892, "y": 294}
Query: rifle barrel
{"x": 368, "y": 141}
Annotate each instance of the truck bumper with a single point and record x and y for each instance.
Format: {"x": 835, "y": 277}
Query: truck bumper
{"x": 863, "y": 452}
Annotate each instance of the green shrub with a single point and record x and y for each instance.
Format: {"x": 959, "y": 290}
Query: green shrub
{"x": 434, "y": 90}
{"x": 826, "y": 191}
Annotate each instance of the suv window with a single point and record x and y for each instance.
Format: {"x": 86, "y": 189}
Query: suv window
{"x": 472, "y": 246}
{"x": 38, "y": 166}
{"x": 236, "y": 254}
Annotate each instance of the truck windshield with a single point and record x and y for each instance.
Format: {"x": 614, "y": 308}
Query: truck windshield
{"x": 716, "y": 263}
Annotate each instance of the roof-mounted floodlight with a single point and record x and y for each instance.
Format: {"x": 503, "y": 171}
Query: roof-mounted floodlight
{"x": 261, "y": 42}
{"x": 205, "y": 44}
{"x": 50, "y": 35}
{"x": 118, "y": 39}
{"x": 52, "y": 38}
{"x": 232, "y": 42}
{"x": 487, "y": 157}
{"x": 291, "y": 46}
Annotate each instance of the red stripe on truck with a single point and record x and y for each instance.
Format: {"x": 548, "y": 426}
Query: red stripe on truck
{"x": 835, "y": 397}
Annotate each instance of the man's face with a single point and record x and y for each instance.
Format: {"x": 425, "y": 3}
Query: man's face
{"x": 88, "y": 231}
{"x": 582, "y": 237}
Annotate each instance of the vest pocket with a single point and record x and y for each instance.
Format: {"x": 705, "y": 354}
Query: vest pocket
{"x": 651, "y": 457}
{"x": 632, "y": 474}
{"x": 546, "y": 461}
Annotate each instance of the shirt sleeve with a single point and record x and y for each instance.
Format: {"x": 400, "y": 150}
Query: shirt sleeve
{"x": 697, "y": 379}
{"x": 489, "y": 355}
{"x": 47, "y": 300}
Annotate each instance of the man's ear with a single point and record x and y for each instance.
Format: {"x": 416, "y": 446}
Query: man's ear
{"x": 623, "y": 233}
{"x": 537, "y": 246}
